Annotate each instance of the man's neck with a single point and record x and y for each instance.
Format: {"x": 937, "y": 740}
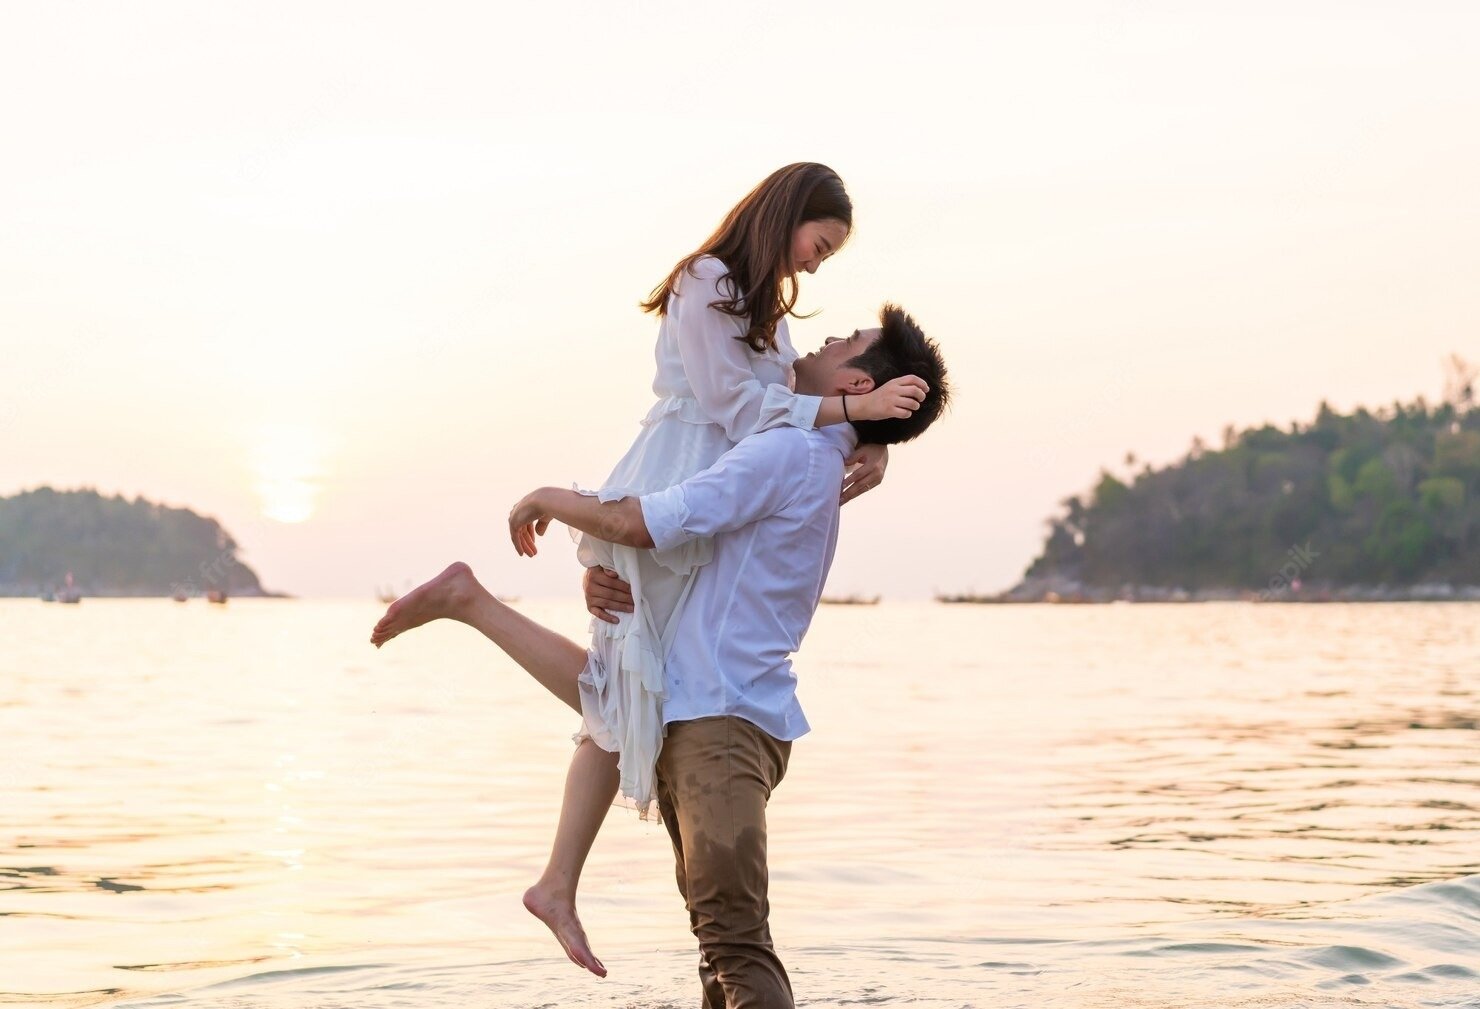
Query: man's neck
{"x": 805, "y": 388}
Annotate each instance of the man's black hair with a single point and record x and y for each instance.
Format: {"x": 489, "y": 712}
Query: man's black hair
{"x": 902, "y": 348}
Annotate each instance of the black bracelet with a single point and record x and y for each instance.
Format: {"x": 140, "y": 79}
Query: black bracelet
{"x": 845, "y": 409}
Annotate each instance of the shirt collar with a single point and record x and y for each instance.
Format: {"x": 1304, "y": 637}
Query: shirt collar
{"x": 841, "y": 435}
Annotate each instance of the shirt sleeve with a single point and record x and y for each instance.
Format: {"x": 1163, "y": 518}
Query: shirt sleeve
{"x": 717, "y": 364}
{"x": 758, "y": 477}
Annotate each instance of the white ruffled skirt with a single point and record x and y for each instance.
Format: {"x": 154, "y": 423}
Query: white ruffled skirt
{"x": 622, "y": 686}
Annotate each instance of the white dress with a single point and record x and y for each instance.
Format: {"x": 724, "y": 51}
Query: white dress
{"x": 713, "y": 390}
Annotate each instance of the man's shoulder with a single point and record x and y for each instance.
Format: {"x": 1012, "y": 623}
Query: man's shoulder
{"x": 772, "y": 436}
{"x": 840, "y": 437}
{"x": 775, "y": 445}
{"x": 794, "y": 454}
{"x": 796, "y": 441}
{"x": 786, "y": 453}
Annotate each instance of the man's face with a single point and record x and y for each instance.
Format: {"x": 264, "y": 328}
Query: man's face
{"x": 824, "y": 372}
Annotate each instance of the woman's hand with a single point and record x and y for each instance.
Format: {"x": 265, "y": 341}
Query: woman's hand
{"x": 605, "y": 592}
{"x": 527, "y": 520}
{"x": 871, "y": 461}
{"x": 894, "y": 399}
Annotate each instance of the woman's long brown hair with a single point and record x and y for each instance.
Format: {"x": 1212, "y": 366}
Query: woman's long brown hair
{"x": 754, "y": 242}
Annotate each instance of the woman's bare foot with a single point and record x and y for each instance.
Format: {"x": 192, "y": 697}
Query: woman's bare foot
{"x": 558, "y": 911}
{"x": 444, "y": 596}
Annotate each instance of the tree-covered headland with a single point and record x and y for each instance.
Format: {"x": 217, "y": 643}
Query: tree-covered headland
{"x": 115, "y": 547}
{"x": 1372, "y": 504}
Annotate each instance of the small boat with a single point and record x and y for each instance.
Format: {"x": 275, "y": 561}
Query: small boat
{"x": 851, "y": 600}
{"x": 179, "y": 596}
{"x": 48, "y": 596}
{"x": 507, "y": 599}
{"x": 69, "y": 593}
{"x": 216, "y": 596}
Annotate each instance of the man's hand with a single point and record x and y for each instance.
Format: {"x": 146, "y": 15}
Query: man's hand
{"x": 870, "y": 462}
{"x": 606, "y": 592}
{"x": 894, "y": 399}
{"x": 527, "y": 520}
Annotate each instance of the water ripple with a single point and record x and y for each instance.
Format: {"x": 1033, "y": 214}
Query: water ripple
{"x": 1199, "y": 806}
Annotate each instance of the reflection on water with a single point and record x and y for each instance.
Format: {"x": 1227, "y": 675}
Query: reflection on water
{"x": 1198, "y": 805}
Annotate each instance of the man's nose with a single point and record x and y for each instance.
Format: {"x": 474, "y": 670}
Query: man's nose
{"x": 831, "y": 339}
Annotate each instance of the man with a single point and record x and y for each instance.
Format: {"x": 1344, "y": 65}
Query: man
{"x": 730, "y": 715}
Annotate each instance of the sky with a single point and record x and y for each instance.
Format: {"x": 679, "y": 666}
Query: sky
{"x": 353, "y": 278}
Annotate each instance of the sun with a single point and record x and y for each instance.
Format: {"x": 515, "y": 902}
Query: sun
{"x": 287, "y": 461}
{"x": 287, "y": 500}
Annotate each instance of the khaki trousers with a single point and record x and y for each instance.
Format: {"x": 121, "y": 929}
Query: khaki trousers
{"x": 714, "y": 777}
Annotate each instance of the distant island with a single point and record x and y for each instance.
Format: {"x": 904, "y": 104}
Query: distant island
{"x": 115, "y": 547}
{"x": 1367, "y": 506}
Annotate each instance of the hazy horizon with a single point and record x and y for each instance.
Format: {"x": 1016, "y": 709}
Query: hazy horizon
{"x": 1127, "y": 470}
{"x": 352, "y": 285}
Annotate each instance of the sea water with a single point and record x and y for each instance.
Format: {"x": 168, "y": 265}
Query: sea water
{"x": 1219, "y": 805}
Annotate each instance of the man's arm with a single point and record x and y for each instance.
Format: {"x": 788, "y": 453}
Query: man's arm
{"x": 757, "y": 478}
{"x": 613, "y": 521}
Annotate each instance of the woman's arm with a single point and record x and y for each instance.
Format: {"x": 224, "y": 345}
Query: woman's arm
{"x": 898, "y": 398}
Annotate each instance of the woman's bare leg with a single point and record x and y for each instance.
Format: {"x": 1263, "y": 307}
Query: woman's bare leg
{"x": 552, "y": 659}
{"x": 590, "y": 787}
{"x": 555, "y": 662}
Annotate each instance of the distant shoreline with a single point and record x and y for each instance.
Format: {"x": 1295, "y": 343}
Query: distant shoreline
{"x": 1460, "y": 594}
{"x": 30, "y": 592}
{"x": 1063, "y": 591}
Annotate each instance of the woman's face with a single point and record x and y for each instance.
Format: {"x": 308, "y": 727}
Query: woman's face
{"x": 814, "y": 241}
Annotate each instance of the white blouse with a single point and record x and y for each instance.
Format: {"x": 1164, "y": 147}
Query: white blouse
{"x": 723, "y": 381}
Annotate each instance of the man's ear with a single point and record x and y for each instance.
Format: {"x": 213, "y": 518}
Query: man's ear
{"x": 855, "y": 382}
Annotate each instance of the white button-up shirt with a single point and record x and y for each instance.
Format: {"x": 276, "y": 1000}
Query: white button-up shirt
{"x": 771, "y": 504}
